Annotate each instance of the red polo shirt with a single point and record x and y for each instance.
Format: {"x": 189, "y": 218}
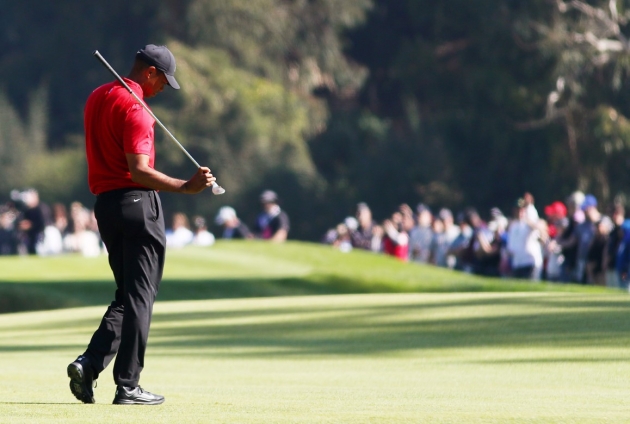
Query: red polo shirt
{"x": 115, "y": 124}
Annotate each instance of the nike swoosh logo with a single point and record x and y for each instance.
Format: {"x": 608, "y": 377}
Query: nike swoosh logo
{"x": 136, "y": 200}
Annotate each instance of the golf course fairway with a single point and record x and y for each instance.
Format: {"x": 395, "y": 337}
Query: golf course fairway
{"x": 497, "y": 357}
{"x": 398, "y": 357}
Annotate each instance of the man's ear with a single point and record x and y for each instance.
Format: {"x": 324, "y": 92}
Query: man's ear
{"x": 150, "y": 72}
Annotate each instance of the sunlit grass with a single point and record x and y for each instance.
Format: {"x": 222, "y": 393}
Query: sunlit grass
{"x": 240, "y": 269}
{"x": 461, "y": 357}
{"x": 253, "y": 332}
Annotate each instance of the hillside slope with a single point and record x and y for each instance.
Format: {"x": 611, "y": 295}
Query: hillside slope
{"x": 236, "y": 270}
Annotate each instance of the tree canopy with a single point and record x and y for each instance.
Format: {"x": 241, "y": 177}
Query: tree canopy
{"x": 331, "y": 102}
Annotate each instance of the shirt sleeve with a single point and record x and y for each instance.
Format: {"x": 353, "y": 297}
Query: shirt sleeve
{"x": 284, "y": 221}
{"x": 138, "y": 131}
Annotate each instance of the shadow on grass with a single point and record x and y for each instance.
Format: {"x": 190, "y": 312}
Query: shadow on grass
{"x": 354, "y": 328}
{"x": 21, "y": 296}
{"x": 387, "y": 329}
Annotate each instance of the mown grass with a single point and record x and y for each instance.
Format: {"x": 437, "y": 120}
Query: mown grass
{"x": 372, "y": 358}
{"x": 300, "y": 333}
{"x": 239, "y": 269}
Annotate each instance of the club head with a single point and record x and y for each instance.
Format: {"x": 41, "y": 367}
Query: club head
{"x": 217, "y": 189}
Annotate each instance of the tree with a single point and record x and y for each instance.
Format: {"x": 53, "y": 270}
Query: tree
{"x": 447, "y": 83}
{"x": 591, "y": 68}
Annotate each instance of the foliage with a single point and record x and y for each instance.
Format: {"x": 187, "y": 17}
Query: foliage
{"x": 24, "y": 158}
{"x": 248, "y": 70}
{"x": 295, "y": 41}
{"x": 233, "y": 118}
{"x": 450, "y": 82}
{"x": 331, "y": 102}
{"x": 245, "y": 127}
{"x": 591, "y": 63}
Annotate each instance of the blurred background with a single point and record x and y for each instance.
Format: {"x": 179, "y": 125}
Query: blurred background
{"x": 333, "y": 102}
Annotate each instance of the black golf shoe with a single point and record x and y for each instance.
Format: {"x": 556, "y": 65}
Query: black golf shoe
{"x": 136, "y": 396}
{"x": 81, "y": 379}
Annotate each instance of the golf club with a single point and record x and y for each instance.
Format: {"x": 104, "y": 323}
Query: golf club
{"x": 216, "y": 189}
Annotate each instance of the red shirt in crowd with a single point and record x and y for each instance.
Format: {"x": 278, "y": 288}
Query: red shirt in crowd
{"x": 394, "y": 249}
{"x": 115, "y": 124}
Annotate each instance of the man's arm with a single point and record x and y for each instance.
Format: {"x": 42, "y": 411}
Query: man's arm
{"x": 283, "y": 228}
{"x": 280, "y": 235}
{"x": 142, "y": 173}
{"x": 244, "y": 230}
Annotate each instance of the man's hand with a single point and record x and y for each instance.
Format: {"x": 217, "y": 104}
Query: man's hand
{"x": 142, "y": 173}
{"x": 202, "y": 179}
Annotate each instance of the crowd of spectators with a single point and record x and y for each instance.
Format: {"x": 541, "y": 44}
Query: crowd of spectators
{"x": 575, "y": 240}
{"x": 31, "y": 227}
{"x": 572, "y": 241}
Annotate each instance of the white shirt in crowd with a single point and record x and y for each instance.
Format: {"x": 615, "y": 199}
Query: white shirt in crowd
{"x": 523, "y": 245}
{"x": 180, "y": 237}
{"x": 203, "y": 238}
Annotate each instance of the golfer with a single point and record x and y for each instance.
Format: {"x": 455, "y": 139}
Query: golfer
{"x": 120, "y": 152}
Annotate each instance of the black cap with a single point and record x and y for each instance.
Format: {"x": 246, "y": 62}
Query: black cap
{"x": 162, "y": 59}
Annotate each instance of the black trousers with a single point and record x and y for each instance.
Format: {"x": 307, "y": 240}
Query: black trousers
{"x": 131, "y": 225}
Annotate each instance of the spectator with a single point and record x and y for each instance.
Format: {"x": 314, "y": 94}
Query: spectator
{"x": 273, "y": 223}
{"x": 451, "y": 230}
{"x": 396, "y": 239}
{"x": 532, "y": 212}
{"x": 33, "y": 219}
{"x": 477, "y": 225}
{"x": 202, "y": 237}
{"x": 459, "y": 246}
{"x": 557, "y": 221}
{"x": 378, "y": 233}
{"x": 421, "y": 235}
{"x": 83, "y": 239}
{"x": 56, "y": 229}
{"x": 60, "y": 218}
{"x": 568, "y": 239}
{"x": 439, "y": 244}
{"x": 614, "y": 241}
{"x": 523, "y": 245}
{"x": 8, "y": 233}
{"x": 408, "y": 219}
{"x": 490, "y": 245}
{"x": 51, "y": 243}
{"x": 623, "y": 256}
{"x": 595, "y": 266}
{"x": 343, "y": 241}
{"x": 585, "y": 233}
{"x": 180, "y": 234}
{"x": 233, "y": 228}
{"x": 362, "y": 236}
{"x": 351, "y": 223}
{"x": 499, "y": 225}
{"x": 444, "y": 233}
{"x": 340, "y": 237}
{"x": 330, "y": 236}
